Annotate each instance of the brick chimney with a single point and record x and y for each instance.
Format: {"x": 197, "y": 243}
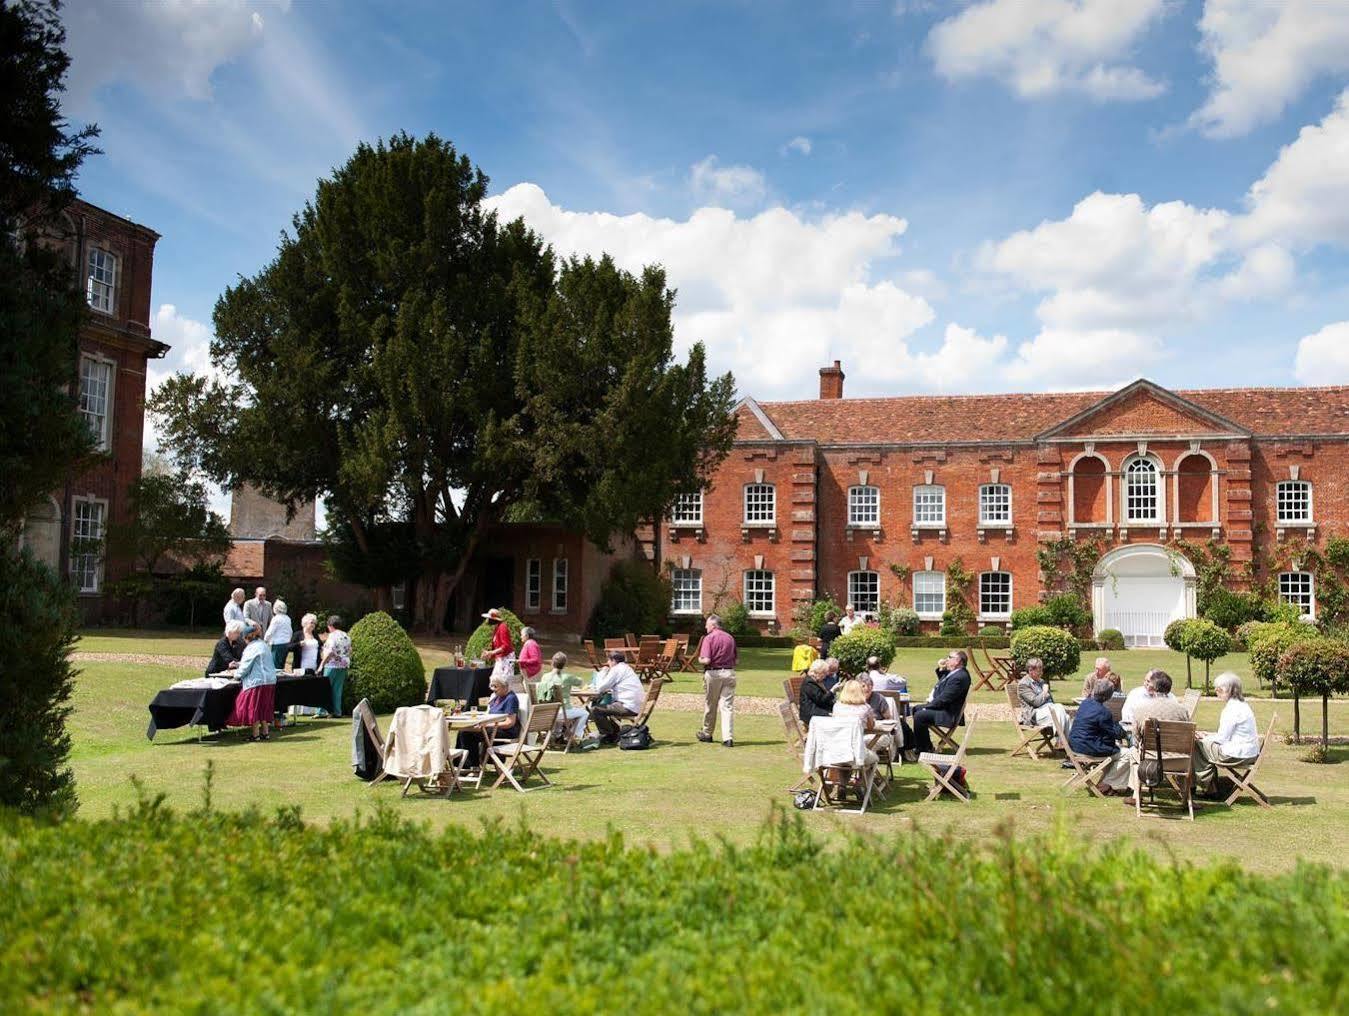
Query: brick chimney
{"x": 831, "y": 381}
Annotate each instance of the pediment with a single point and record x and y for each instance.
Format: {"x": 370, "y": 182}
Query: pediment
{"x": 1144, "y": 409}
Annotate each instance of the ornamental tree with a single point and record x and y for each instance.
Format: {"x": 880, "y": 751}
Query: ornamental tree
{"x": 1058, "y": 650}
{"x": 1319, "y": 667}
{"x": 443, "y": 371}
{"x": 1206, "y": 641}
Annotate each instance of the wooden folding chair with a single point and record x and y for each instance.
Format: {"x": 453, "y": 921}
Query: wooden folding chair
{"x": 796, "y": 741}
{"x": 614, "y": 644}
{"x": 1191, "y": 701}
{"x": 648, "y": 649}
{"x": 1243, "y": 774}
{"x": 518, "y": 760}
{"x": 1087, "y": 769}
{"x": 649, "y": 701}
{"x": 371, "y": 726}
{"x": 984, "y": 677}
{"x": 944, "y": 768}
{"x": 683, "y": 660}
{"x": 630, "y": 639}
{"x": 946, "y": 736}
{"x": 1034, "y": 739}
{"x": 1116, "y": 706}
{"x": 839, "y": 775}
{"x": 1002, "y": 665}
{"x": 444, "y": 782}
{"x": 596, "y": 660}
{"x": 791, "y": 688}
{"x": 1169, "y": 744}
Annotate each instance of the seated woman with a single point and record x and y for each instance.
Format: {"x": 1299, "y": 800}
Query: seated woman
{"x": 816, "y": 699}
{"x": 1095, "y": 733}
{"x": 876, "y": 702}
{"x": 1038, "y": 708}
{"x": 556, "y": 686}
{"x": 852, "y": 701}
{"x": 254, "y": 706}
{"x": 1237, "y": 739}
{"x": 504, "y": 702}
{"x": 227, "y": 650}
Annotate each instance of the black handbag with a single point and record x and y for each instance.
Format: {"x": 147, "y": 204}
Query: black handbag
{"x": 635, "y": 738}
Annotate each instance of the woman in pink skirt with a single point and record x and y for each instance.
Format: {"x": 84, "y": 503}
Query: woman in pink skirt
{"x": 254, "y": 706}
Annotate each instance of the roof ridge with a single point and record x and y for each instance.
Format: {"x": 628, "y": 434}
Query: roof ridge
{"x": 1273, "y": 389}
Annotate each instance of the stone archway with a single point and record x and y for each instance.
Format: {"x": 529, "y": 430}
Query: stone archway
{"x": 1139, "y": 589}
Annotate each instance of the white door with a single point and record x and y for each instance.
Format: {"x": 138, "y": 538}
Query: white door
{"x": 1141, "y": 607}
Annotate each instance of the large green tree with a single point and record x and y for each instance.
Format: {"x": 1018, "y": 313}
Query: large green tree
{"x": 430, "y": 370}
{"x": 42, "y": 438}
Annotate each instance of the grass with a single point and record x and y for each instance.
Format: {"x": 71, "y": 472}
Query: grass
{"x": 683, "y": 787}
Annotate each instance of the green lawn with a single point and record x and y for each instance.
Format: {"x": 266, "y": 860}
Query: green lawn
{"x": 683, "y": 787}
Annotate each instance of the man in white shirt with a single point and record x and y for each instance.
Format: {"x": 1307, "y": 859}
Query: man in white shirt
{"x": 625, "y": 687}
{"x": 234, "y": 607}
{"x": 849, "y": 620}
{"x": 1139, "y": 695}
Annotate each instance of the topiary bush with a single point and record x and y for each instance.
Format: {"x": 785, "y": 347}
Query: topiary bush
{"x": 634, "y": 598}
{"x": 991, "y": 630}
{"x": 1319, "y": 667}
{"x": 956, "y": 621}
{"x": 481, "y": 639}
{"x": 385, "y": 666}
{"x": 1205, "y": 640}
{"x": 1057, "y": 648}
{"x": 1174, "y": 636}
{"x": 1110, "y": 638}
{"x": 1031, "y": 617}
{"x": 853, "y": 649}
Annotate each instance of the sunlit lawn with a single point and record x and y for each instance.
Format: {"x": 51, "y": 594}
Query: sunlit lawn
{"x": 683, "y": 787}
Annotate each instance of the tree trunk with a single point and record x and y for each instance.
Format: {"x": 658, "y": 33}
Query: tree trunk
{"x": 1189, "y": 679}
{"x": 1325, "y": 721}
{"x": 1297, "y": 718}
{"x": 1206, "y": 691}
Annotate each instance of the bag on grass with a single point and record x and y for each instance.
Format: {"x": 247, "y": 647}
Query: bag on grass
{"x": 804, "y": 800}
{"x": 635, "y": 738}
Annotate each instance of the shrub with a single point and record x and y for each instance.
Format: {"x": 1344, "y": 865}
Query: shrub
{"x": 1059, "y": 650}
{"x": 1204, "y": 640}
{"x": 956, "y": 621}
{"x": 1066, "y": 611}
{"x": 852, "y": 650}
{"x": 953, "y": 641}
{"x": 991, "y": 631}
{"x": 735, "y": 619}
{"x": 1245, "y": 632}
{"x": 902, "y": 621}
{"x": 810, "y": 615}
{"x": 38, "y": 621}
{"x": 385, "y": 666}
{"x": 1110, "y": 638}
{"x": 1174, "y": 637}
{"x": 1285, "y": 613}
{"x": 1270, "y": 643}
{"x": 634, "y": 598}
{"x": 70, "y": 880}
{"x": 1031, "y": 617}
{"x": 1231, "y": 610}
{"x": 1319, "y": 667}
{"x": 481, "y": 639}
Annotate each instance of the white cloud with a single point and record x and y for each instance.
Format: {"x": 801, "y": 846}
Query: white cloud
{"x": 1265, "y": 54}
{"x": 727, "y": 185}
{"x": 163, "y": 46}
{"x": 1042, "y": 47}
{"x": 1303, "y": 198}
{"x": 1323, "y": 357}
{"x": 799, "y": 144}
{"x": 190, "y": 351}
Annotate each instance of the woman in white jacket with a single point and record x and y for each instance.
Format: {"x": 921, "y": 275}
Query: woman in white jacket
{"x": 279, "y": 633}
{"x": 1237, "y": 739}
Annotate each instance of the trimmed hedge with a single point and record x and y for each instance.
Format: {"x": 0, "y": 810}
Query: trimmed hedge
{"x": 385, "y": 666}
{"x": 851, "y": 650}
{"x": 481, "y": 639}
{"x": 408, "y": 914}
{"x": 1060, "y": 652}
{"x": 953, "y": 642}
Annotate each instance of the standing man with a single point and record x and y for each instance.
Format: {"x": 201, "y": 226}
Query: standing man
{"x": 234, "y": 608}
{"x": 718, "y": 655}
{"x": 258, "y": 609}
{"x": 849, "y": 620}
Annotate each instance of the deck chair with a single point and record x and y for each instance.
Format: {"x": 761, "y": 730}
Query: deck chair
{"x": 946, "y": 736}
{"x": 837, "y": 757}
{"x": 985, "y": 676}
{"x": 1087, "y": 769}
{"x": 683, "y": 660}
{"x": 614, "y": 644}
{"x": 519, "y": 759}
{"x": 791, "y": 688}
{"x": 1191, "y": 701}
{"x": 1169, "y": 746}
{"x": 1033, "y": 739}
{"x": 417, "y": 750}
{"x": 944, "y": 768}
{"x": 796, "y": 741}
{"x": 1116, "y": 706}
{"x": 630, "y": 639}
{"x": 648, "y": 706}
{"x": 596, "y": 660}
{"x": 1243, "y": 774}
{"x": 368, "y": 727}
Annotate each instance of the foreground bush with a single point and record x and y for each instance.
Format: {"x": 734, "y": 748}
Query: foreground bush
{"x": 385, "y": 666}
{"x": 1060, "y": 651}
{"x": 384, "y": 915}
{"x": 852, "y": 650}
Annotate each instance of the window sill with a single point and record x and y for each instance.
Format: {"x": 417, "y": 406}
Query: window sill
{"x": 558, "y": 610}
{"x": 931, "y": 617}
{"x": 763, "y": 615}
{"x": 759, "y": 525}
{"x": 686, "y": 613}
{"x": 995, "y": 618}
{"x": 916, "y": 532}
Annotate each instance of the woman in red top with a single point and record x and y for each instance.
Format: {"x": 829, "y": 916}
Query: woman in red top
{"x": 502, "y": 652}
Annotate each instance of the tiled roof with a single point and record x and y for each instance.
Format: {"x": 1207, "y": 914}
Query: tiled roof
{"x": 921, "y": 419}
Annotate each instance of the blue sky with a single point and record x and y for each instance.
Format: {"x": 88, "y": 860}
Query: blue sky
{"x": 995, "y": 195}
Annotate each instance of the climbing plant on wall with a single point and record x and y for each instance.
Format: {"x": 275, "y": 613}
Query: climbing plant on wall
{"x": 1068, "y": 566}
{"x": 1329, "y": 566}
{"x": 1212, "y": 568}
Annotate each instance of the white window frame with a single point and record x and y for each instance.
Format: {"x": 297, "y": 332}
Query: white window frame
{"x": 868, "y": 600}
{"x": 996, "y": 615}
{"x": 764, "y": 580}
{"x": 759, "y": 517}
{"x": 561, "y": 584}
{"x": 940, "y": 580}
{"x": 533, "y": 585}
{"x": 686, "y": 591}
{"x": 81, "y": 567}
{"x": 398, "y": 594}
{"x": 864, "y": 506}
{"x": 687, "y": 509}
{"x": 994, "y": 494}
{"x": 102, "y": 430}
{"x": 1306, "y": 602}
{"x": 1289, "y": 485}
{"x": 1131, "y": 467}
{"x": 101, "y": 271}
{"x": 925, "y": 491}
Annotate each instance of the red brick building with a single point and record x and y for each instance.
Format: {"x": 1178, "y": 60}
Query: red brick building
{"x": 872, "y": 499}
{"x": 115, "y": 261}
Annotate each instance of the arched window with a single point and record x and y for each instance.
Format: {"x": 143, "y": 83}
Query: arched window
{"x": 760, "y": 503}
{"x": 1194, "y": 489}
{"x": 864, "y": 506}
{"x": 1089, "y": 501}
{"x": 864, "y": 591}
{"x": 1142, "y": 491}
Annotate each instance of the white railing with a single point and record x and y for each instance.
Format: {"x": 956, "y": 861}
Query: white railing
{"x": 1140, "y": 627}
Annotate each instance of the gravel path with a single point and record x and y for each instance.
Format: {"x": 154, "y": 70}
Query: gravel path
{"x": 193, "y": 662}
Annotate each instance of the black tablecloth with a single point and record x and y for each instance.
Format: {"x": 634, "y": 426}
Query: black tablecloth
{"x": 211, "y": 707}
{"x": 465, "y": 684}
